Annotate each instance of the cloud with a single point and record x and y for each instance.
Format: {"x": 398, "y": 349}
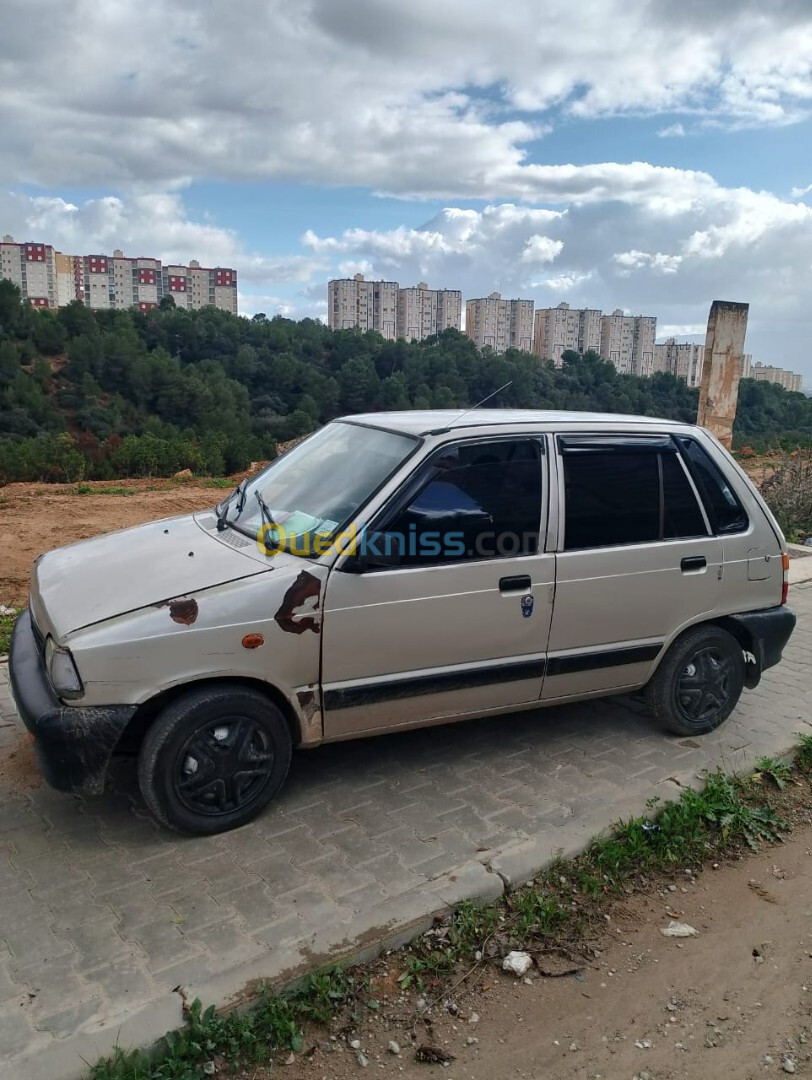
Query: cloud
{"x": 655, "y": 241}
{"x": 673, "y": 131}
{"x": 157, "y": 225}
{"x": 800, "y": 192}
{"x": 419, "y": 100}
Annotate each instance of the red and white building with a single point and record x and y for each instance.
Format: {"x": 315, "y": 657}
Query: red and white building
{"x": 49, "y": 278}
{"x": 32, "y": 267}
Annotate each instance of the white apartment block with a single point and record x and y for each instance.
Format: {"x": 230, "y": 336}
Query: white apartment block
{"x": 562, "y": 328}
{"x": 790, "y": 380}
{"x": 627, "y": 341}
{"x": 53, "y": 279}
{"x": 32, "y": 268}
{"x": 354, "y": 303}
{"x": 423, "y": 312}
{"x": 683, "y": 359}
{"x": 499, "y": 324}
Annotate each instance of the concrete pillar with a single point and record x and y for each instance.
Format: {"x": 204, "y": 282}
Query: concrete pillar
{"x": 721, "y": 371}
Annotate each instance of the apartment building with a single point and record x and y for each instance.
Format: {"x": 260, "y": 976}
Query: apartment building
{"x": 627, "y": 341}
{"x": 790, "y": 380}
{"x": 423, "y": 312}
{"x": 355, "y": 303}
{"x": 49, "y": 278}
{"x": 499, "y": 324}
{"x": 683, "y": 359}
{"x": 195, "y": 286}
{"x": 562, "y": 328}
{"x": 32, "y": 268}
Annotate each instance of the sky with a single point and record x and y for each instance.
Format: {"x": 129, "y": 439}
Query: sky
{"x": 650, "y": 156}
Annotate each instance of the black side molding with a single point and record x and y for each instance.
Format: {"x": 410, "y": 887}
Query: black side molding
{"x": 350, "y": 697}
{"x": 634, "y": 654}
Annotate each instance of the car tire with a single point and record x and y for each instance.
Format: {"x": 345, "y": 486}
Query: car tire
{"x": 698, "y": 683}
{"x": 213, "y": 759}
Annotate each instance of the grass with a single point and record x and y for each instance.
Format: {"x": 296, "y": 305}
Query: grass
{"x": 89, "y": 489}
{"x": 561, "y": 912}
{"x": 6, "y": 623}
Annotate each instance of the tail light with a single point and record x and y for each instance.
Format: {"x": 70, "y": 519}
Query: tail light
{"x": 785, "y": 583}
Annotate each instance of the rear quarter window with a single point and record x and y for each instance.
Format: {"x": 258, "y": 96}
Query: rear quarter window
{"x": 725, "y": 512}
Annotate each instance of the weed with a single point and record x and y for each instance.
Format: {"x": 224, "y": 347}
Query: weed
{"x": 803, "y": 756}
{"x": 7, "y": 617}
{"x": 219, "y": 482}
{"x": 768, "y": 768}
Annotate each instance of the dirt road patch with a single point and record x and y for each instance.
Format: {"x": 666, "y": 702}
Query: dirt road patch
{"x": 38, "y": 517}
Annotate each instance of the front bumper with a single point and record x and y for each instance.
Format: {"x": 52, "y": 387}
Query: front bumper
{"x": 73, "y": 744}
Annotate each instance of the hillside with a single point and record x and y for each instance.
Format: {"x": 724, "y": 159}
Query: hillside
{"x": 116, "y": 394}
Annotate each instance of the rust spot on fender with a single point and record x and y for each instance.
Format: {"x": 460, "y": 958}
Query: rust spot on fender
{"x": 183, "y": 611}
{"x": 305, "y": 587}
{"x": 310, "y": 707}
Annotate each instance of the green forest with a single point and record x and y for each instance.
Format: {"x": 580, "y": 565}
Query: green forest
{"x": 101, "y": 395}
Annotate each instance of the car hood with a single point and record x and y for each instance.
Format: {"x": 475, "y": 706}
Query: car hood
{"x": 97, "y": 579}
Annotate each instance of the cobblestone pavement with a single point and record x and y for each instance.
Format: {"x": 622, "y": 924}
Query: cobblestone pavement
{"x": 103, "y": 916}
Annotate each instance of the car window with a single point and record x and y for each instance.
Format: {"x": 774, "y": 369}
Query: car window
{"x": 611, "y": 498}
{"x": 726, "y": 513}
{"x": 682, "y": 514}
{"x": 626, "y": 492}
{"x": 474, "y": 501}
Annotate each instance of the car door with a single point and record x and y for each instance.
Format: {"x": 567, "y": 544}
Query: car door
{"x": 445, "y": 610}
{"x": 636, "y": 561}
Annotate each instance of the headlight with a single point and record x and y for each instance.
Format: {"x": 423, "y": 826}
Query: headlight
{"x": 62, "y": 670}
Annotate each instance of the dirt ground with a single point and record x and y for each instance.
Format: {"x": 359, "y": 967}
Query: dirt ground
{"x": 734, "y": 1002}
{"x": 38, "y": 517}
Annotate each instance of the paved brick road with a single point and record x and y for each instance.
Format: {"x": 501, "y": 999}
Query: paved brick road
{"x": 102, "y": 914}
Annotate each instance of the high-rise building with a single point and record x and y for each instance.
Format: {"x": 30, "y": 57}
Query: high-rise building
{"x": 627, "y": 341}
{"x": 499, "y": 324}
{"x": 683, "y": 359}
{"x": 355, "y": 303}
{"x": 790, "y": 380}
{"x": 49, "y": 278}
{"x": 423, "y": 312}
{"x": 559, "y": 329}
{"x": 32, "y": 267}
{"x": 196, "y": 286}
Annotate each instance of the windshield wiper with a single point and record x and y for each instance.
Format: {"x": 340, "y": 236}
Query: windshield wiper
{"x": 267, "y": 519}
{"x": 239, "y": 492}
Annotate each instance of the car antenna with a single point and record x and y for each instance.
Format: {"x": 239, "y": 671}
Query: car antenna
{"x": 479, "y": 404}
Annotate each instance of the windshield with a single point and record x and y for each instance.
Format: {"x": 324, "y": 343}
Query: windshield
{"x": 315, "y": 488}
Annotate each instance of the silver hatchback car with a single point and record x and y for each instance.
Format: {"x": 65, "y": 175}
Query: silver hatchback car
{"x": 396, "y": 570}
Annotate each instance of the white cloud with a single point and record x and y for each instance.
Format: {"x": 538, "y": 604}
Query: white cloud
{"x": 157, "y": 225}
{"x": 423, "y": 99}
{"x": 663, "y": 242}
{"x": 673, "y": 131}
{"x": 800, "y": 192}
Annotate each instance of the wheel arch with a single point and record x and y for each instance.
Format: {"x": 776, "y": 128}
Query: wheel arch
{"x": 146, "y": 713}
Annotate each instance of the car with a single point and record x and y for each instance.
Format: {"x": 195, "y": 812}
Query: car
{"x": 395, "y": 570}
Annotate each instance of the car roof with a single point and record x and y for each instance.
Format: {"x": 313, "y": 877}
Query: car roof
{"x": 426, "y": 421}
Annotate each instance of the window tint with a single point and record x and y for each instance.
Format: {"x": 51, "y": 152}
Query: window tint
{"x": 726, "y": 513}
{"x": 615, "y": 496}
{"x": 611, "y": 498}
{"x": 477, "y": 501}
{"x": 682, "y": 515}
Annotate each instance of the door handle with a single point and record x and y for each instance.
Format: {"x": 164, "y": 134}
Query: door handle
{"x": 695, "y": 562}
{"x": 520, "y": 583}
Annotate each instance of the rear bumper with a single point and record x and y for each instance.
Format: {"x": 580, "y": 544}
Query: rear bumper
{"x": 767, "y": 632}
{"x": 73, "y": 744}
